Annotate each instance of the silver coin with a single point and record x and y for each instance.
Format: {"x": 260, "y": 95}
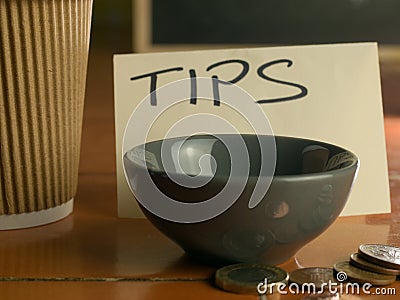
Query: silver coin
{"x": 318, "y": 277}
{"x": 246, "y": 278}
{"x": 383, "y": 255}
{"x": 357, "y": 260}
{"x": 354, "y": 274}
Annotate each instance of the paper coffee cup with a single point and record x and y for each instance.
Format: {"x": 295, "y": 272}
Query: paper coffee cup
{"x": 44, "y": 47}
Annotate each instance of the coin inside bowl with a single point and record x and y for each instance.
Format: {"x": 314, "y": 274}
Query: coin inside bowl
{"x": 309, "y": 188}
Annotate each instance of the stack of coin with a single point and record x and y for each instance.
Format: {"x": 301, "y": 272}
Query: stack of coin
{"x": 318, "y": 277}
{"x": 374, "y": 263}
{"x": 315, "y": 282}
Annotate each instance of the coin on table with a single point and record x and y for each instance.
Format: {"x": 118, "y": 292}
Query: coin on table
{"x": 344, "y": 270}
{"x": 249, "y": 278}
{"x": 383, "y": 255}
{"x": 315, "y": 276}
{"x": 358, "y": 261}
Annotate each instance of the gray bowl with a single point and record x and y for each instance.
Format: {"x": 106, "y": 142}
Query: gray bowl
{"x": 308, "y": 191}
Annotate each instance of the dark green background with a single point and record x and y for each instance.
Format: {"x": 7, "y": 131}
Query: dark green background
{"x": 275, "y": 21}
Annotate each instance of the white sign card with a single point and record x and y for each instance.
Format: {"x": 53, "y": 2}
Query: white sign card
{"x": 329, "y": 93}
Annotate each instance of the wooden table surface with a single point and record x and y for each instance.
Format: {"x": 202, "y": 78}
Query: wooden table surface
{"x": 92, "y": 254}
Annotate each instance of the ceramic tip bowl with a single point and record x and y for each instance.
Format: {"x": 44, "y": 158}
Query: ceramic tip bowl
{"x": 309, "y": 188}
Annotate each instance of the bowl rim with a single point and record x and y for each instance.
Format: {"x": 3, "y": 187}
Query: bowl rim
{"x": 303, "y": 176}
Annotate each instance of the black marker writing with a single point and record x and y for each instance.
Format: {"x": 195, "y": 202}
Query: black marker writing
{"x": 216, "y": 82}
{"x": 153, "y": 82}
{"x": 242, "y": 74}
{"x": 260, "y": 72}
{"x": 193, "y": 86}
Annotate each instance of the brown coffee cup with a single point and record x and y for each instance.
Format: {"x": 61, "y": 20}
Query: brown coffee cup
{"x": 44, "y": 49}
